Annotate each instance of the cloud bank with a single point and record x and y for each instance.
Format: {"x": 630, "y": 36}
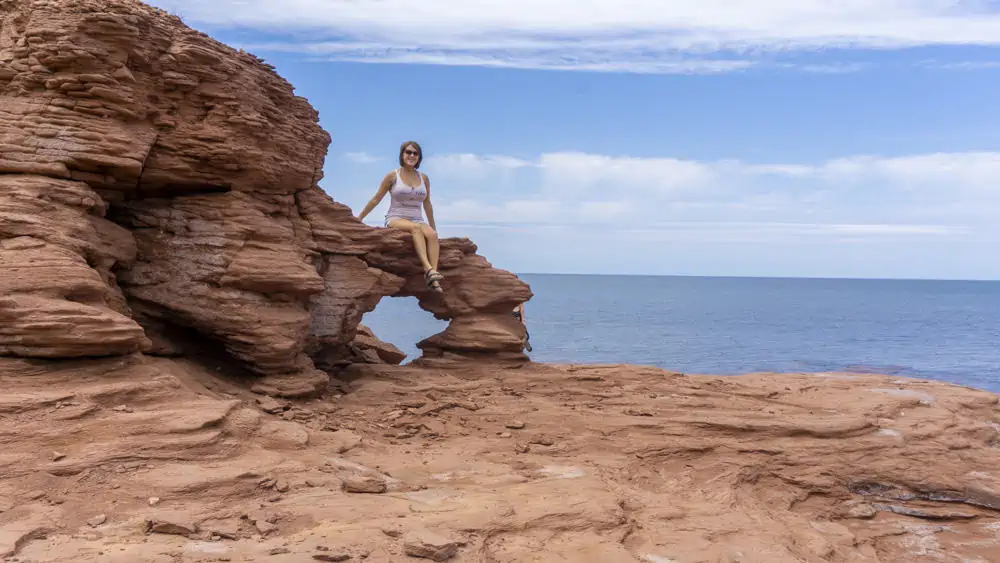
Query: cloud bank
{"x": 649, "y": 36}
{"x": 925, "y": 195}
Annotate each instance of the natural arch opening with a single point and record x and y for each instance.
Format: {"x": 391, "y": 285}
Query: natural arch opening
{"x": 399, "y": 323}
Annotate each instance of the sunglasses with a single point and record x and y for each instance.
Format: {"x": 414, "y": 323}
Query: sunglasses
{"x": 411, "y": 152}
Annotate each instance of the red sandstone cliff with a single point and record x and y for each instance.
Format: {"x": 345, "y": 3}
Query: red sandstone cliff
{"x": 165, "y": 251}
{"x": 159, "y": 190}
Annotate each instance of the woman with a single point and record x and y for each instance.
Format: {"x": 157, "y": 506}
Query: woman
{"x": 518, "y": 313}
{"x": 409, "y": 189}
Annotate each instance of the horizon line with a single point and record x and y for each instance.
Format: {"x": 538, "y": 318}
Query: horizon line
{"x": 762, "y": 277}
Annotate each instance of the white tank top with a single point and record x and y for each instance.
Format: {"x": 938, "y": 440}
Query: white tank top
{"x": 406, "y": 201}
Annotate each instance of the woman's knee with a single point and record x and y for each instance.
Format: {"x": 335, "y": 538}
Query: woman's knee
{"x": 428, "y": 231}
{"x": 412, "y": 228}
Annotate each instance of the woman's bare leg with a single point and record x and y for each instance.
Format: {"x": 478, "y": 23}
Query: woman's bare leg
{"x": 419, "y": 241}
{"x": 433, "y": 245}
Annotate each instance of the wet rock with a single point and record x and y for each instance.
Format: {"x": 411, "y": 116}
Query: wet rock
{"x": 927, "y": 513}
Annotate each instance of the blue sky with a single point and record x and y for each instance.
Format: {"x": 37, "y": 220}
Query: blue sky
{"x": 770, "y": 138}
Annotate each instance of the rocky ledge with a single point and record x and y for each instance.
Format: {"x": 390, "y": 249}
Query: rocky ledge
{"x": 176, "y": 292}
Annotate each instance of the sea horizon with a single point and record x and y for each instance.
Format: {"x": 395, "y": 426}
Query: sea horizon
{"x": 731, "y": 325}
{"x": 761, "y": 277}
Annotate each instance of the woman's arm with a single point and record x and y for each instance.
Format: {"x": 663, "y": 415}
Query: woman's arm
{"x": 428, "y": 208}
{"x": 383, "y": 189}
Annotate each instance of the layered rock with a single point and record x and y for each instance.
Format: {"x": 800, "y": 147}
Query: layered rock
{"x": 118, "y": 460}
{"x": 161, "y": 195}
{"x": 370, "y": 350}
{"x": 58, "y": 294}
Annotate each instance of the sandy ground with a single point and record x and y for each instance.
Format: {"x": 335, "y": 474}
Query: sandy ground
{"x": 157, "y": 460}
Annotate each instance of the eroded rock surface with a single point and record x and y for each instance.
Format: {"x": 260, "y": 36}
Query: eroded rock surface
{"x": 542, "y": 463}
{"x": 160, "y": 194}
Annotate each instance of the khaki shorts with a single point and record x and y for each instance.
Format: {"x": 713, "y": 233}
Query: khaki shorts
{"x": 390, "y": 219}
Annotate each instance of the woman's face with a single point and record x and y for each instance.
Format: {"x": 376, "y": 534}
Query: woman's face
{"x": 411, "y": 156}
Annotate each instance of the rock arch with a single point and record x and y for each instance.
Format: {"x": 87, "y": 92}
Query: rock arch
{"x": 361, "y": 265}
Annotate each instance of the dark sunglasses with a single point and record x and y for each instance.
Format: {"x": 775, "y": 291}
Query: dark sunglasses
{"x": 411, "y": 152}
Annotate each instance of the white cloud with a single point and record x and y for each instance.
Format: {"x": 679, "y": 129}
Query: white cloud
{"x": 929, "y": 195}
{"x": 961, "y": 65}
{"x": 467, "y": 163}
{"x": 603, "y": 211}
{"x": 574, "y": 172}
{"x": 508, "y": 212}
{"x": 361, "y": 157}
{"x": 523, "y": 58}
{"x": 896, "y": 229}
{"x": 680, "y": 36}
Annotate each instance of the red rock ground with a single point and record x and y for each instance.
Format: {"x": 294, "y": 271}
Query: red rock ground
{"x": 537, "y": 463}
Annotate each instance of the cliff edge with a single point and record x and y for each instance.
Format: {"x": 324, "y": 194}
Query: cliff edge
{"x": 176, "y": 291}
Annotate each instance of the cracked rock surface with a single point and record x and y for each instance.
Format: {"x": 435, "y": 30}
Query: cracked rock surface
{"x": 607, "y": 463}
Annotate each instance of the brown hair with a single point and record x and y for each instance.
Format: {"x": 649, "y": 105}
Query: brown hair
{"x": 416, "y": 145}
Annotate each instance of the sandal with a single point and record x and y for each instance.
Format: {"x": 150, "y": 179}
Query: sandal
{"x": 432, "y": 278}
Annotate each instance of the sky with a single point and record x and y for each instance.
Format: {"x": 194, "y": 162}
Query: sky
{"x": 857, "y": 138}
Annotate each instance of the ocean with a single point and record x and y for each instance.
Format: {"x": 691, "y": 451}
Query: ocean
{"x": 944, "y": 330}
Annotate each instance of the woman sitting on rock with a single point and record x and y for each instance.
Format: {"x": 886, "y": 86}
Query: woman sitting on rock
{"x": 518, "y": 314}
{"x": 408, "y": 190}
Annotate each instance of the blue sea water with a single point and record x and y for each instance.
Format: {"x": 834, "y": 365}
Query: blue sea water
{"x": 945, "y": 330}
